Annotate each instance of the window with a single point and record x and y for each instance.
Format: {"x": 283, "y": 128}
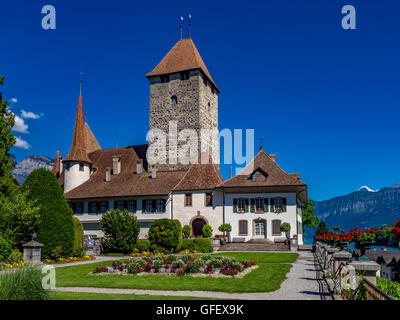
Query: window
{"x": 131, "y": 206}
{"x": 185, "y": 75}
{"x": 67, "y": 166}
{"x": 120, "y": 205}
{"x": 81, "y": 167}
{"x": 188, "y": 200}
{"x": 209, "y": 200}
{"x": 241, "y": 205}
{"x": 160, "y": 206}
{"x": 93, "y": 207}
{"x": 148, "y": 206}
{"x": 174, "y": 100}
{"x": 276, "y": 228}
{"x": 243, "y": 228}
{"x": 165, "y": 79}
{"x": 103, "y": 206}
{"x": 279, "y": 205}
{"x": 259, "y": 204}
{"x": 79, "y": 208}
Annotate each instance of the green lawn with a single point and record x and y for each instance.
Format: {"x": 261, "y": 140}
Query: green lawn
{"x": 272, "y": 271}
{"x": 58, "y": 295}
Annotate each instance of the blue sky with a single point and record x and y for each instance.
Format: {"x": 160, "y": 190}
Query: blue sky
{"x": 325, "y": 100}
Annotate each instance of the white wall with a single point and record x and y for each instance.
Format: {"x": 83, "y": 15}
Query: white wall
{"x": 290, "y": 216}
{"x": 73, "y": 177}
{"x": 213, "y": 215}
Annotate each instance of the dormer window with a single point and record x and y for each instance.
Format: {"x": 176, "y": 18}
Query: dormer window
{"x": 67, "y": 166}
{"x": 258, "y": 176}
{"x": 185, "y": 75}
{"x": 81, "y": 167}
{"x": 174, "y": 100}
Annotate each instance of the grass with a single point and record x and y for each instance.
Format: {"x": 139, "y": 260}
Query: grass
{"x": 272, "y": 271}
{"x": 58, "y": 295}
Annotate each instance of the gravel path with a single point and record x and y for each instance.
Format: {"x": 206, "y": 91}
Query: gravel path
{"x": 303, "y": 283}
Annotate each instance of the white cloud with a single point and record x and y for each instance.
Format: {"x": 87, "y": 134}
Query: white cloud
{"x": 30, "y": 115}
{"x": 20, "y": 125}
{"x": 21, "y": 143}
{"x": 14, "y": 100}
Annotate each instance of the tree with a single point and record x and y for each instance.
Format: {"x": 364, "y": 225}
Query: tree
{"x": 309, "y": 219}
{"x": 7, "y": 140}
{"x": 121, "y": 230}
{"x": 167, "y": 234}
{"x": 207, "y": 231}
{"x": 186, "y": 231}
{"x": 19, "y": 217}
{"x": 337, "y": 229}
{"x": 322, "y": 229}
{"x": 226, "y": 227}
{"x": 56, "y": 227}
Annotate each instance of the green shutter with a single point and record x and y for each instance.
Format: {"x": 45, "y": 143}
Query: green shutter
{"x": 284, "y": 205}
{"x": 252, "y": 205}
{"x": 266, "y": 205}
{"x": 272, "y": 205}
{"x": 246, "y": 206}
{"x": 234, "y": 205}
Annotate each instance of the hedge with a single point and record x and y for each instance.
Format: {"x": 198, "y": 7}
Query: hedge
{"x": 79, "y": 241}
{"x": 167, "y": 234}
{"x": 56, "y": 227}
{"x": 198, "y": 244}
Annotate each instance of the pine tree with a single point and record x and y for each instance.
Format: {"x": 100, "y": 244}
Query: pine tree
{"x": 322, "y": 229}
{"x": 7, "y": 140}
{"x": 56, "y": 227}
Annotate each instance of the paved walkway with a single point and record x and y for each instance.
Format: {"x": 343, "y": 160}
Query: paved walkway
{"x": 303, "y": 283}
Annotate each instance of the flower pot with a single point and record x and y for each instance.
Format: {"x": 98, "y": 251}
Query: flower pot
{"x": 222, "y": 241}
{"x": 363, "y": 247}
{"x": 342, "y": 245}
{"x": 287, "y": 233}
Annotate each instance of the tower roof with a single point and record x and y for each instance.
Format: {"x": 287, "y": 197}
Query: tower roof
{"x": 91, "y": 142}
{"x": 78, "y": 151}
{"x": 56, "y": 165}
{"x": 184, "y": 56}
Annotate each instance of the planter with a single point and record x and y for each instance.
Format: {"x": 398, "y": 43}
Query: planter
{"x": 287, "y": 233}
{"x": 342, "y": 245}
{"x": 222, "y": 241}
{"x": 363, "y": 247}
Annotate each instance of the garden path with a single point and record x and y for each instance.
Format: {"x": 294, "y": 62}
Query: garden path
{"x": 303, "y": 283}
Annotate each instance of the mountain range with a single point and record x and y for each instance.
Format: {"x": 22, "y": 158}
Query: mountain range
{"x": 26, "y": 166}
{"x": 363, "y": 208}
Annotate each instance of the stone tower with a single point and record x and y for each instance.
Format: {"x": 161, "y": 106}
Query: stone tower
{"x": 182, "y": 90}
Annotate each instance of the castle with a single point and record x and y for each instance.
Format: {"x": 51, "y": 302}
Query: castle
{"x": 255, "y": 202}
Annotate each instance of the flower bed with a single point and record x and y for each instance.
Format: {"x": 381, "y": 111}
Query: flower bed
{"x": 205, "y": 265}
{"x": 68, "y": 260}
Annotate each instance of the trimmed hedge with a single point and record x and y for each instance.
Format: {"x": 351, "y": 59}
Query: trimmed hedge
{"x": 166, "y": 233}
{"x": 56, "y": 227}
{"x": 79, "y": 241}
{"x": 207, "y": 231}
{"x": 198, "y": 244}
{"x": 142, "y": 245}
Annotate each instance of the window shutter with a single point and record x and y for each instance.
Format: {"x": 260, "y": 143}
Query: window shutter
{"x": 252, "y": 205}
{"x": 266, "y": 204}
{"x": 153, "y": 205}
{"x": 246, "y": 207}
{"x": 143, "y": 205}
{"x": 276, "y": 228}
{"x": 284, "y": 205}
{"x": 272, "y": 204}
{"x": 234, "y": 206}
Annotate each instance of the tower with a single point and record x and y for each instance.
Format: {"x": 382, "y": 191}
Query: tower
{"x": 182, "y": 90}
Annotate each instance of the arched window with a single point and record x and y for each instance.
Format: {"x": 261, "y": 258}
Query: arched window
{"x": 174, "y": 100}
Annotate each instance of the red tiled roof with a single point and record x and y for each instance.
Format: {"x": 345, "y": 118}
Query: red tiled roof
{"x": 184, "y": 56}
{"x": 78, "y": 150}
{"x": 275, "y": 176}
{"x": 91, "y": 142}
{"x": 56, "y": 165}
{"x": 127, "y": 183}
{"x": 200, "y": 177}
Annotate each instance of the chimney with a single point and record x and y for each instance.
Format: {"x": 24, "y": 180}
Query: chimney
{"x": 153, "y": 172}
{"x": 116, "y": 165}
{"x": 108, "y": 174}
{"x": 139, "y": 166}
{"x": 273, "y": 157}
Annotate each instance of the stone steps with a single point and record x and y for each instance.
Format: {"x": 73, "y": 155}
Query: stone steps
{"x": 254, "y": 247}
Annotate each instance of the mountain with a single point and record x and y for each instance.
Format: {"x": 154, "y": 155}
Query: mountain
{"x": 26, "y": 166}
{"x": 361, "y": 209}
{"x": 365, "y": 188}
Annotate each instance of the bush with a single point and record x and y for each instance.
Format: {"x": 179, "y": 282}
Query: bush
{"x": 142, "y": 245}
{"x": 79, "y": 241}
{"x": 285, "y": 227}
{"x": 186, "y": 231}
{"x": 226, "y": 227}
{"x": 166, "y": 233}
{"x": 121, "y": 230}
{"x": 22, "y": 284}
{"x": 199, "y": 244}
{"x": 207, "y": 231}
{"x": 188, "y": 244}
{"x": 56, "y": 227}
{"x": 5, "y": 250}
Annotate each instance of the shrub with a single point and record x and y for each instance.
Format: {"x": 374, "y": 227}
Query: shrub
{"x": 226, "y": 227}
{"x": 142, "y": 245}
{"x": 121, "y": 230}
{"x": 188, "y": 244}
{"x": 56, "y": 227}
{"x": 79, "y": 242}
{"x": 285, "y": 227}
{"x": 22, "y": 284}
{"x": 186, "y": 231}
{"x": 166, "y": 233}
{"x": 203, "y": 245}
{"x": 5, "y": 250}
{"x": 207, "y": 231}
